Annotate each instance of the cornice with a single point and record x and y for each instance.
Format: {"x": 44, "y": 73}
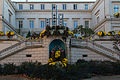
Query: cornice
{"x": 53, "y": 2}
{"x": 105, "y": 20}
{"x": 51, "y": 10}
{"x": 11, "y": 4}
{"x": 94, "y": 6}
{"x": 115, "y": 1}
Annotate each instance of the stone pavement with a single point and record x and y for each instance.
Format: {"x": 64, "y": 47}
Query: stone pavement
{"x": 94, "y": 78}
{"x": 11, "y": 78}
{"x": 105, "y": 78}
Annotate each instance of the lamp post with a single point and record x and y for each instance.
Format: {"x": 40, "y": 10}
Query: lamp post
{"x": 54, "y": 15}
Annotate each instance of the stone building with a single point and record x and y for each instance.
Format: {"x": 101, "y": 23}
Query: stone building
{"x": 30, "y": 16}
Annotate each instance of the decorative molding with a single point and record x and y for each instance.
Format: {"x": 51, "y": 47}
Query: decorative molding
{"x": 50, "y": 11}
{"x": 51, "y": 2}
{"x": 105, "y": 20}
{"x": 115, "y": 1}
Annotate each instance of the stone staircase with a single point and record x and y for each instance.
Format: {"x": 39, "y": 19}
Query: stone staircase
{"x": 20, "y": 47}
{"x": 99, "y": 49}
{"x": 9, "y": 26}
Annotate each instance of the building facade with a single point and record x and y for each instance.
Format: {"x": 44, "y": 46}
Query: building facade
{"x": 30, "y": 16}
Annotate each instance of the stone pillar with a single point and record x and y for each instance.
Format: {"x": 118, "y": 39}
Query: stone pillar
{"x": 68, "y": 50}
{"x": 1, "y": 25}
{"x": 107, "y": 5}
{"x": 1, "y": 2}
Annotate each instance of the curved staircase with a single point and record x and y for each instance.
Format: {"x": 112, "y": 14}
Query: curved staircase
{"x": 97, "y": 48}
{"x": 20, "y": 47}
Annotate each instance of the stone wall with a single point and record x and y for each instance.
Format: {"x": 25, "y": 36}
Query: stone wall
{"x": 79, "y": 53}
{"x": 6, "y": 44}
{"x": 40, "y": 54}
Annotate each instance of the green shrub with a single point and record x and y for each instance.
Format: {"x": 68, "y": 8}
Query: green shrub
{"x": 81, "y": 69}
{"x": 1, "y": 70}
{"x": 9, "y": 69}
{"x": 27, "y": 68}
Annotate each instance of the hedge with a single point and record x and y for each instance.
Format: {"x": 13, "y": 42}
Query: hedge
{"x": 81, "y": 69}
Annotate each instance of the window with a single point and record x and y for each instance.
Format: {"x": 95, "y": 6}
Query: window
{"x": 20, "y": 24}
{"x": 31, "y": 24}
{"x": 31, "y": 6}
{"x": 75, "y": 23}
{"x": 98, "y": 19}
{"x": 86, "y": 24}
{"x": 75, "y": 6}
{"x": 20, "y": 6}
{"x": 42, "y": 6}
{"x": 28, "y": 55}
{"x": 53, "y": 6}
{"x": 10, "y": 17}
{"x": 85, "y": 55}
{"x": 116, "y": 9}
{"x": 65, "y": 24}
{"x": 86, "y": 6}
{"x": 42, "y": 24}
{"x": 64, "y": 6}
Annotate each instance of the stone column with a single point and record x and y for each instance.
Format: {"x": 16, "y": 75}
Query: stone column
{"x": 1, "y": 2}
{"x": 107, "y": 4}
{"x": 68, "y": 50}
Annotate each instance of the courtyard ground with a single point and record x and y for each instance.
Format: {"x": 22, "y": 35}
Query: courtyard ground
{"x": 105, "y": 78}
{"x": 93, "y": 78}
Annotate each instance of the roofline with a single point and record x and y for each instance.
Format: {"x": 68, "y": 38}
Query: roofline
{"x": 55, "y": 2}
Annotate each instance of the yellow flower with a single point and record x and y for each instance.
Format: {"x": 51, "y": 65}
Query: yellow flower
{"x": 116, "y": 14}
{"x": 43, "y": 31}
{"x": 65, "y": 65}
{"x": 101, "y": 33}
{"x": 112, "y": 33}
{"x": 119, "y": 33}
{"x": 70, "y": 32}
{"x": 53, "y": 63}
{"x": 57, "y": 54}
{"x": 83, "y": 37}
{"x": 109, "y": 34}
{"x": 50, "y": 60}
{"x": 1, "y": 33}
{"x": 12, "y": 33}
{"x": 104, "y": 33}
{"x": 32, "y": 38}
{"x": 7, "y": 33}
{"x": 65, "y": 60}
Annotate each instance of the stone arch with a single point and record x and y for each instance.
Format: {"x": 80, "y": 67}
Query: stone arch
{"x": 57, "y": 43}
